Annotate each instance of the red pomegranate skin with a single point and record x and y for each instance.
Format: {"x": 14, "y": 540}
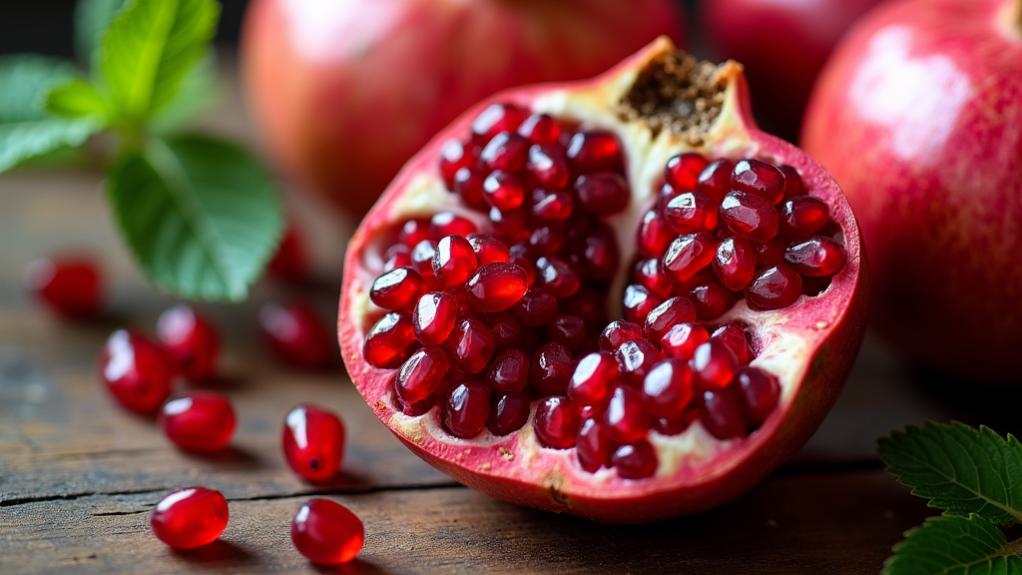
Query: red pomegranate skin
{"x": 550, "y": 479}
{"x": 346, "y": 92}
{"x": 783, "y": 46}
{"x": 919, "y": 116}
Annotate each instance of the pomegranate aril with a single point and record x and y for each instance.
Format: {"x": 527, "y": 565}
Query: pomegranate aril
{"x": 422, "y": 261}
{"x": 190, "y": 517}
{"x": 557, "y": 277}
{"x": 327, "y": 533}
{"x": 749, "y": 216}
{"x": 546, "y": 240}
{"x": 735, "y": 263}
{"x": 593, "y": 449}
{"x": 503, "y": 191}
{"x": 734, "y": 337}
{"x": 471, "y": 345}
{"x": 676, "y": 424}
{"x": 668, "y": 314}
{"x": 711, "y": 299}
{"x": 638, "y": 302}
{"x": 551, "y": 368}
{"x": 793, "y": 185}
{"x": 450, "y": 224}
{"x": 397, "y": 256}
{"x": 313, "y": 442}
{"x": 537, "y": 307}
{"x": 818, "y": 256}
{"x": 397, "y": 290}
{"x": 600, "y": 255}
{"x": 509, "y": 413}
{"x": 626, "y": 420}
{"x": 506, "y": 152}
{"x": 413, "y": 232}
{"x": 759, "y": 178}
{"x": 650, "y": 274}
{"x": 770, "y": 253}
{"x": 510, "y": 225}
{"x": 497, "y": 286}
{"x": 509, "y": 371}
{"x": 488, "y": 249}
{"x": 454, "y": 261}
{"x": 465, "y": 410}
{"x": 420, "y": 379}
{"x": 635, "y": 461}
{"x": 635, "y": 358}
{"x": 653, "y": 235}
{"x": 590, "y": 306}
{"x": 773, "y": 288}
{"x": 497, "y": 118}
{"x": 722, "y": 414}
{"x": 468, "y": 184}
{"x": 136, "y": 371}
{"x": 803, "y": 216}
{"x": 668, "y": 388}
{"x": 520, "y": 257}
{"x": 191, "y": 341}
{"x": 70, "y": 286}
{"x": 681, "y": 340}
{"x": 760, "y": 392}
{"x": 617, "y": 333}
{"x": 595, "y": 151}
{"x": 682, "y": 171}
{"x": 434, "y": 316}
{"x": 547, "y": 167}
{"x": 541, "y": 129}
{"x": 200, "y": 421}
{"x": 569, "y": 330}
{"x": 454, "y": 156}
{"x": 552, "y": 206}
{"x": 603, "y": 193}
{"x": 689, "y": 254}
{"x": 714, "y": 364}
{"x": 715, "y": 179}
{"x": 692, "y": 212}
{"x": 389, "y": 343}
{"x": 508, "y": 331}
{"x": 593, "y": 377}
{"x": 556, "y": 423}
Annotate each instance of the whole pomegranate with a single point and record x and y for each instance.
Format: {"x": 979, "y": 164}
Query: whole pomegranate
{"x": 919, "y": 116}
{"x": 345, "y": 92}
{"x": 616, "y": 298}
{"x": 783, "y": 45}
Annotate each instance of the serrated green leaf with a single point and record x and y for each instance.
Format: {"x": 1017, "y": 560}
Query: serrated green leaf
{"x": 92, "y": 18}
{"x": 201, "y": 215}
{"x": 150, "y": 47}
{"x": 954, "y": 545}
{"x": 960, "y": 469}
{"x": 77, "y": 99}
{"x": 25, "y": 129}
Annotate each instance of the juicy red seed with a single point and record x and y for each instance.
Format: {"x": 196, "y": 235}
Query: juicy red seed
{"x": 503, "y": 190}
{"x": 468, "y": 184}
{"x": 413, "y": 232}
{"x": 201, "y": 421}
{"x": 552, "y": 206}
{"x": 749, "y": 216}
{"x": 711, "y": 299}
{"x": 626, "y": 420}
{"x": 803, "y": 216}
{"x": 557, "y": 277}
{"x": 296, "y": 335}
{"x": 793, "y": 185}
{"x": 682, "y": 340}
{"x": 668, "y": 388}
{"x": 497, "y": 118}
{"x": 466, "y": 409}
{"x": 507, "y": 152}
{"x": 692, "y": 212}
{"x": 313, "y": 441}
{"x": 635, "y": 358}
{"x": 682, "y": 171}
{"x": 326, "y": 532}
{"x": 760, "y": 178}
{"x": 636, "y": 461}
{"x": 422, "y": 259}
{"x": 509, "y": 371}
{"x": 650, "y": 274}
{"x": 595, "y": 151}
{"x": 721, "y": 413}
{"x": 434, "y": 316}
{"x": 603, "y": 193}
{"x": 520, "y": 257}
{"x": 594, "y": 375}
{"x": 510, "y": 225}
{"x": 638, "y": 302}
{"x": 689, "y": 254}
{"x": 420, "y": 379}
{"x": 71, "y": 287}
{"x": 556, "y": 423}
{"x": 668, "y": 314}
{"x": 541, "y": 129}
{"x": 136, "y": 371}
{"x": 190, "y": 517}
{"x": 397, "y": 256}
{"x": 714, "y": 365}
{"x": 653, "y": 235}
{"x": 591, "y": 412}
{"x": 770, "y": 253}
{"x": 569, "y": 330}
{"x": 551, "y": 368}
{"x": 509, "y": 413}
{"x": 735, "y": 263}
{"x": 617, "y": 333}
{"x": 547, "y": 167}
{"x": 537, "y": 307}
{"x": 590, "y": 306}
{"x": 676, "y": 424}
{"x": 733, "y": 336}
{"x": 760, "y": 392}
{"x": 488, "y": 249}
{"x": 190, "y": 340}
{"x": 818, "y": 256}
{"x": 450, "y": 224}
{"x": 508, "y": 331}
{"x": 389, "y": 343}
{"x": 600, "y": 255}
{"x": 471, "y": 345}
{"x": 593, "y": 448}
{"x": 546, "y": 240}
{"x": 715, "y": 179}
{"x": 454, "y": 156}
{"x": 454, "y": 261}
{"x": 398, "y": 289}
{"x": 497, "y": 286}
{"x": 774, "y": 287}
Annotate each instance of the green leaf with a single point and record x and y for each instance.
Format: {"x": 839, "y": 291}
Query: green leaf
{"x": 198, "y": 90}
{"x": 92, "y": 18}
{"x": 151, "y": 46}
{"x": 77, "y": 99}
{"x": 960, "y": 469}
{"x": 954, "y": 545}
{"x": 25, "y": 129}
{"x": 201, "y": 215}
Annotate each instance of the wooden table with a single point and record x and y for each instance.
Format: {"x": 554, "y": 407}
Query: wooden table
{"x": 78, "y": 476}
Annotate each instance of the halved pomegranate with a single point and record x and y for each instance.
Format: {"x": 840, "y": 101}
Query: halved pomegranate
{"x": 637, "y": 325}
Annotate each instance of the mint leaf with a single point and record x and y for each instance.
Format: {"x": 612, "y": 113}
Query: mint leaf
{"x": 954, "y": 544}
{"x": 150, "y": 47}
{"x": 77, "y": 99}
{"x": 198, "y": 90}
{"x": 201, "y": 215}
{"x": 92, "y": 18}
{"x": 959, "y": 468}
{"x": 25, "y": 129}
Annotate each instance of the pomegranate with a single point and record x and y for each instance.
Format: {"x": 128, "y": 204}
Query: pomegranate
{"x": 315, "y": 80}
{"x": 783, "y": 45}
{"x": 558, "y": 402}
{"x": 932, "y": 92}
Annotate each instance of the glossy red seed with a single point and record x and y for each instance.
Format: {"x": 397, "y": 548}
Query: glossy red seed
{"x": 488, "y": 249}
{"x": 600, "y": 255}
{"x": 589, "y": 305}
{"x": 635, "y": 358}
{"x": 547, "y": 167}
{"x": 668, "y": 388}
{"x": 650, "y": 274}
{"x": 638, "y": 302}
{"x": 190, "y": 517}
{"x": 677, "y": 424}
{"x": 497, "y": 286}
{"x": 759, "y": 178}
{"x": 502, "y": 117}
{"x": 595, "y": 151}
{"x": 290, "y": 263}
{"x": 508, "y": 331}
{"x": 818, "y": 256}
{"x": 398, "y": 289}
{"x": 593, "y": 448}
{"x": 450, "y": 224}
{"x": 602, "y": 193}
{"x": 422, "y": 261}
{"x": 682, "y": 171}
{"x": 471, "y": 345}
{"x": 593, "y": 378}
{"x": 509, "y": 371}
{"x": 636, "y": 461}
{"x": 681, "y": 340}
{"x": 692, "y": 212}
{"x": 569, "y": 330}
{"x": 326, "y": 532}
{"x": 389, "y": 343}
{"x": 503, "y": 191}
{"x": 434, "y": 316}
{"x": 413, "y": 232}
{"x": 715, "y": 179}
{"x": 714, "y": 365}
{"x": 688, "y": 255}
{"x": 200, "y": 421}
{"x": 537, "y": 307}
{"x": 653, "y": 235}
{"x": 190, "y": 340}
{"x": 760, "y": 392}
{"x": 136, "y": 371}
{"x": 397, "y": 256}
{"x": 546, "y": 240}
{"x": 721, "y": 413}
{"x": 557, "y": 423}
{"x": 466, "y": 409}
{"x": 618, "y": 332}
{"x": 454, "y": 261}
{"x": 557, "y": 276}
{"x": 733, "y": 336}
{"x": 551, "y": 368}
{"x": 803, "y": 216}
{"x": 509, "y": 413}
{"x": 668, "y": 314}
{"x": 420, "y": 379}
{"x": 313, "y": 442}
{"x": 774, "y": 287}
{"x": 626, "y": 419}
{"x": 520, "y": 257}
{"x": 552, "y": 206}
{"x": 455, "y": 155}
{"x": 541, "y": 129}
{"x": 793, "y": 185}
{"x": 735, "y": 263}
{"x": 506, "y": 152}
{"x": 468, "y": 184}
{"x": 749, "y": 216}
{"x": 770, "y": 253}
{"x": 510, "y": 225}
{"x": 69, "y": 286}
{"x": 711, "y": 299}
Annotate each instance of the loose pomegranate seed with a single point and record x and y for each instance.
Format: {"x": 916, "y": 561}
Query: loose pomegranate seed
{"x": 682, "y": 340}
{"x": 537, "y": 307}
{"x": 450, "y": 224}
{"x": 773, "y": 288}
{"x": 200, "y": 421}
{"x": 594, "y": 375}
{"x": 454, "y": 156}
{"x": 420, "y": 379}
{"x": 313, "y": 442}
{"x": 551, "y": 368}
{"x": 557, "y": 277}
{"x": 471, "y": 345}
{"x": 760, "y": 178}
{"x": 397, "y": 256}
{"x": 397, "y": 290}
{"x": 714, "y": 365}
{"x": 497, "y": 287}
{"x": 650, "y": 274}
{"x": 668, "y": 314}
{"x": 668, "y": 388}
{"x": 290, "y": 263}
{"x": 541, "y": 129}
{"x": 422, "y": 261}
{"x": 682, "y": 171}
{"x": 653, "y": 235}
{"x": 793, "y": 185}
{"x": 735, "y": 263}
{"x": 454, "y": 261}
{"x": 749, "y": 216}
{"x": 546, "y": 240}
{"x": 509, "y": 371}
{"x": 508, "y": 331}
{"x": 71, "y": 287}
{"x": 595, "y": 151}
{"x": 721, "y": 413}
{"x": 626, "y": 419}
{"x": 760, "y": 392}
{"x": 503, "y": 191}
{"x": 602, "y": 193}
{"x": 689, "y": 254}
{"x": 715, "y": 179}
{"x": 389, "y": 343}
{"x": 136, "y": 371}
{"x": 413, "y": 232}
{"x": 593, "y": 448}
{"x": 569, "y": 330}
{"x": 803, "y": 216}
{"x": 190, "y": 340}
{"x": 635, "y": 358}
{"x": 818, "y": 256}
{"x": 711, "y": 299}
{"x": 692, "y": 212}
{"x": 488, "y": 249}
{"x": 510, "y": 412}
{"x": 547, "y": 167}
{"x": 468, "y": 184}
{"x": 636, "y": 461}
{"x": 190, "y": 517}
{"x": 638, "y": 302}
{"x": 617, "y": 333}
{"x": 466, "y": 409}
{"x": 506, "y": 152}
{"x": 556, "y": 423}
{"x": 552, "y": 206}
{"x": 326, "y": 532}
{"x": 733, "y": 336}
{"x": 434, "y": 316}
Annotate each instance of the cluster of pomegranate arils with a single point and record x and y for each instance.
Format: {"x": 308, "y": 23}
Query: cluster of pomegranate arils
{"x": 485, "y": 322}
